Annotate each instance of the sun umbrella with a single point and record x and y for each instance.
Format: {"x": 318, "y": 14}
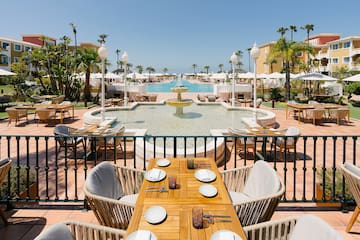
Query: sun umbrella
{"x": 315, "y": 77}
{"x": 355, "y": 78}
{"x": 276, "y": 75}
{"x": 4, "y": 72}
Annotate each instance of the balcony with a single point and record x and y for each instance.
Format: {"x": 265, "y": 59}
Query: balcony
{"x": 59, "y": 175}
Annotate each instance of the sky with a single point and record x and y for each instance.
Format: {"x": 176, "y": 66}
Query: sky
{"x": 176, "y": 34}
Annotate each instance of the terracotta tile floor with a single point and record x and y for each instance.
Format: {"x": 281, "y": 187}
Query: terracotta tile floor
{"x": 27, "y": 223}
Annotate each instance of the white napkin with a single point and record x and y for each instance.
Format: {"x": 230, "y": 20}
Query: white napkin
{"x": 142, "y": 235}
{"x": 155, "y": 173}
{"x": 204, "y": 175}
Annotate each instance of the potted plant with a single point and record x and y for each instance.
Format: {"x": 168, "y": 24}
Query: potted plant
{"x": 21, "y": 183}
{"x": 329, "y": 188}
{"x": 275, "y": 96}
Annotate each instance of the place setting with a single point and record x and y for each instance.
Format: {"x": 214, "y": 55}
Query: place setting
{"x": 142, "y": 235}
{"x": 155, "y": 175}
{"x": 205, "y": 175}
{"x": 163, "y": 162}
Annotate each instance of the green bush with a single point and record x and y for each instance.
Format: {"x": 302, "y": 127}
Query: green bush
{"x": 353, "y": 88}
{"x": 16, "y": 181}
{"x": 275, "y": 94}
{"x": 329, "y": 183}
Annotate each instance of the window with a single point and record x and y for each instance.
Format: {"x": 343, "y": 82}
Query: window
{"x": 346, "y": 59}
{"x": 27, "y": 48}
{"x": 347, "y": 44}
{"x": 16, "y": 59}
{"x": 335, "y": 46}
{"x": 335, "y": 61}
{"x": 17, "y": 47}
{"x": 4, "y": 59}
{"x": 4, "y": 45}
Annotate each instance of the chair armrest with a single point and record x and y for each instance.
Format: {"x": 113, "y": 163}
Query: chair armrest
{"x": 272, "y": 230}
{"x": 236, "y": 178}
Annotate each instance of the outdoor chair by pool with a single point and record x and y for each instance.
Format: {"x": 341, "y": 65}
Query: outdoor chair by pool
{"x": 340, "y": 114}
{"x": 16, "y": 114}
{"x": 45, "y": 115}
{"x": 288, "y": 142}
{"x": 255, "y": 191}
{"x": 112, "y": 141}
{"x": 306, "y": 227}
{"x": 5, "y": 165}
{"x": 316, "y": 115}
{"x": 58, "y": 99}
{"x": 76, "y": 230}
{"x": 64, "y": 138}
{"x": 111, "y": 192}
{"x": 244, "y": 142}
{"x": 351, "y": 174}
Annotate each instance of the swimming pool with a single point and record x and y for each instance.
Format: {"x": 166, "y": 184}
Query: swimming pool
{"x": 166, "y": 87}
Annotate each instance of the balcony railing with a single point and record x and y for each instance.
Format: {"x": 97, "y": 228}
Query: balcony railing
{"x": 309, "y": 169}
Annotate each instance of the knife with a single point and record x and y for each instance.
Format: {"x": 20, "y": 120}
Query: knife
{"x": 212, "y": 215}
{"x": 157, "y": 190}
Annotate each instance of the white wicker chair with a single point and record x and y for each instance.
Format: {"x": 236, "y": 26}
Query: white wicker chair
{"x": 249, "y": 187}
{"x": 111, "y": 192}
{"x": 351, "y": 174}
{"x": 74, "y": 230}
{"x": 306, "y": 227}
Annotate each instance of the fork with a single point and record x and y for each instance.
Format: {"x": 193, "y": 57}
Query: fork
{"x": 159, "y": 187}
{"x": 212, "y": 220}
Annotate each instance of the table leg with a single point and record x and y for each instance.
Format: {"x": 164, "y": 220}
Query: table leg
{"x": 287, "y": 109}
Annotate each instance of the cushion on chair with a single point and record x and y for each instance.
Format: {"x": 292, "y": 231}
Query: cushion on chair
{"x": 56, "y": 232}
{"x": 103, "y": 181}
{"x": 238, "y": 197}
{"x": 129, "y": 199}
{"x": 309, "y": 227}
{"x": 349, "y": 166}
{"x": 4, "y": 161}
{"x": 262, "y": 181}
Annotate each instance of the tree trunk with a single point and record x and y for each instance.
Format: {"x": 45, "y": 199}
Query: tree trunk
{"x": 287, "y": 83}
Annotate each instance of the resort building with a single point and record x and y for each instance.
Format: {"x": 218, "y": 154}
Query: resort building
{"x": 11, "y": 49}
{"x": 39, "y": 39}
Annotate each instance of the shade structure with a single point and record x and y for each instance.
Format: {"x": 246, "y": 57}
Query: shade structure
{"x": 138, "y": 76}
{"x": 4, "y": 72}
{"x": 276, "y": 75}
{"x": 355, "y": 78}
{"x": 315, "y": 77}
{"x": 219, "y": 76}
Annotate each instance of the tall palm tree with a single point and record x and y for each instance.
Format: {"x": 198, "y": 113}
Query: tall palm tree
{"x": 239, "y": 54}
{"x": 249, "y": 49}
{"x": 117, "y": 51}
{"x": 102, "y": 38}
{"x": 194, "y": 67}
{"x": 165, "y": 70}
{"x": 150, "y": 70}
{"x": 207, "y": 69}
{"x": 220, "y": 67}
{"x": 129, "y": 66}
{"x": 73, "y": 25}
{"x": 121, "y": 64}
{"x": 292, "y": 30}
{"x": 308, "y": 28}
{"x": 282, "y": 31}
{"x": 287, "y": 50}
{"x": 139, "y": 68}
{"x": 87, "y": 60}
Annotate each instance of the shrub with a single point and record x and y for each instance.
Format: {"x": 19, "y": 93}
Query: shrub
{"x": 329, "y": 183}
{"x": 16, "y": 181}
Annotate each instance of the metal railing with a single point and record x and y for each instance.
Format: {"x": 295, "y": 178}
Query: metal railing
{"x": 56, "y": 170}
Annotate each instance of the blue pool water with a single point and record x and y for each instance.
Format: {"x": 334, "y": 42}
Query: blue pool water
{"x": 166, "y": 87}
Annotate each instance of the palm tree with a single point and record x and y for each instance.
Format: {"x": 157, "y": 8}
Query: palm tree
{"x": 73, "y": 25}
{"x": 207, "y": 69}
{"x": 117, "y": 51}
{"x": 282, "y": 31}
{"x": 129, "y": 66}
{"x": 121, "y": 64}
{"x": 239, "y": 54}
{"x": 165, "y": 70}
{"x": 102, "y": 38}
{"x": 140, "y": 68}
{"x": 308, "y": 28}
{"x": 249, "y": 49}
{"x": 287, "y": 50}
{"x": 292, "y": 30}
{"x": 150, "y": 70}
{"x": 88, "y": 59}
{"x": 220, "y": 67}
{"x": 194, "y": 66}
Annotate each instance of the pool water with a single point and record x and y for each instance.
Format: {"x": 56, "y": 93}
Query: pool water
{"x": 166, "y": 87}
{"x": 160, "y": 120}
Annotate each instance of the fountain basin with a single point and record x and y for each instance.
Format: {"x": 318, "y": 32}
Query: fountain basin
{"x": 176, "y": 103}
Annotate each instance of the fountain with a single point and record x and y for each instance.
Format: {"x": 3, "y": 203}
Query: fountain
{"x": 179, "y": 103}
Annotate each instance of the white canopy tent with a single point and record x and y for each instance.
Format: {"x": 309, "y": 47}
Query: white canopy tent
{"x": 355, "y": 78}
{"x": 4, "y": 72}
{"x": 315, "y": 77}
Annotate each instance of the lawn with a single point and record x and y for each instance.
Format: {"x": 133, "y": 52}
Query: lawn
{"x": 7, "y": 89}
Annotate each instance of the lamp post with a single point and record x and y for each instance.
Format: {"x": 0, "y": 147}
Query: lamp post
{"x": 102, "y": 51}
{"x": 125, "y": 59}
{"x": 255, "y": 52}
{"x": 234, "y": 61}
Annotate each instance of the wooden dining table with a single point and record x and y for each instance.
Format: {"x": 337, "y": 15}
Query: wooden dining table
{"x": 180, "y": 202}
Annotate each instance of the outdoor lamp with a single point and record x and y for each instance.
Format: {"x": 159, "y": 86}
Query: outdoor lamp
{"x": 255, "y": 53}
{"x": 125, "y": 59}
{"x": 234, "y": 60}
{"x": 102, "y": 52}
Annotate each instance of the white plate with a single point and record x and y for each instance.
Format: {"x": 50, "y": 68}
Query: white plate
{"x": 141, "y": 234}
{"x": 254, "y": 129}
{"x": 225, "y": 235}
{"x": 205, "y": 175}
{"x": 155, "y": 175}
{"x": 155, "y": 214}
{"x": 208, "y": 190}
{"x": 163, "y": 162}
